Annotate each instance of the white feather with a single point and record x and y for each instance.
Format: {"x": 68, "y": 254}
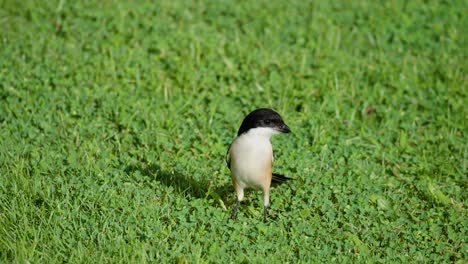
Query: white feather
{"x": 250, "y": 155}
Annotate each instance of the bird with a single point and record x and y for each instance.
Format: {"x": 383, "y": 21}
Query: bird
{"x": 250, "y": 156}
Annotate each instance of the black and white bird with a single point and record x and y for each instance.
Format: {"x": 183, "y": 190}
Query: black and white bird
{"x": 250, "y": 155}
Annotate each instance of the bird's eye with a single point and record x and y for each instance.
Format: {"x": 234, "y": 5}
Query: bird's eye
{"x": 268, "y": 121}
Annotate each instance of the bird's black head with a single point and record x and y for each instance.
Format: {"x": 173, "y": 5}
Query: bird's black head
{"x": 263, "y": 118}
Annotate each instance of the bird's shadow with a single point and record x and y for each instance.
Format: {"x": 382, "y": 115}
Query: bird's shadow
{"x": 183, "y": 185}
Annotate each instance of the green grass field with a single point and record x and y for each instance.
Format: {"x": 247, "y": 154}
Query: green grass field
{"x": 115, "y": 118}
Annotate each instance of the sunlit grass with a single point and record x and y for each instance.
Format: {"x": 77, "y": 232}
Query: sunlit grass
{"x": 115, "y": 118}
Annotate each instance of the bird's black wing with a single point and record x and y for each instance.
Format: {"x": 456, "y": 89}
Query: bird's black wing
{"x": 278, "y": 178}
{"x": 228, "y": 157}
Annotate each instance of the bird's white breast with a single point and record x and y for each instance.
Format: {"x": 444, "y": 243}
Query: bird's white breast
{"x": 251, "y": 155}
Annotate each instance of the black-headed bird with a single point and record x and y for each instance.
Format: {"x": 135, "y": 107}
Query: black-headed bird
{"x": 250, "y": 155}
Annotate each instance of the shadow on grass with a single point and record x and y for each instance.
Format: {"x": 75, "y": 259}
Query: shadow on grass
{"x": 183, "y": 184}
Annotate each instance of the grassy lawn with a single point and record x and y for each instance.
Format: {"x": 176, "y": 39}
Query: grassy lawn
{"x": 115, "y": 118}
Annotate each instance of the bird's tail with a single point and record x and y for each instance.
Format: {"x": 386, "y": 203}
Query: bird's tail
{"x": 279, "y": 179}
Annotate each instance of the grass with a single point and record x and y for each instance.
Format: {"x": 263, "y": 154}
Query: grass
{"x": 115, "y": 118}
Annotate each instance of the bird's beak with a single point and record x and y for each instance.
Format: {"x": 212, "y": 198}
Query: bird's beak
{"x": 285, "y": 129}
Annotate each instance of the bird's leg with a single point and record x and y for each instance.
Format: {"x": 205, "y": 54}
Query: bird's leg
{"x": 234, "y": 210}
{"x": 266, "y": 202}
{"x": 240, "y": 195}
{"x": 265, "y": 207}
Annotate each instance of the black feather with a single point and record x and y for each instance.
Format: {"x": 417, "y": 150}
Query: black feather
{"x": 263, "y": 117}
{"x": 227, "y": 155}
{"x": 279, "y": 179}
